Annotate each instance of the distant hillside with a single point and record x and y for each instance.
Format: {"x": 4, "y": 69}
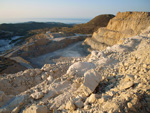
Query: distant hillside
{"x": 87, "y": 28}
{"x": 23, "y": 28}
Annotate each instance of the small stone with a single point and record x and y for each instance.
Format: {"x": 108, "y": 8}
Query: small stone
{"x": 126, "y": 64}
{"x": 111, "y": 93}
{"x": 50, "y": 78}
{"x": 37, "y": 95}
{"x": 130, "y": 106}
{"x": 36, "y": 109}
{"x": 79, "y": 104}
{"x": 129, "y": 78}
{"x": 145, "y": 65}
{"x": 92, "y": 98}
{"x": 43, "y": 76}
{"x": 70, "y": 106}
{"x": 16, "y": 110}
{"x": 87, "y": 107}
{"x": 126, "y": 85}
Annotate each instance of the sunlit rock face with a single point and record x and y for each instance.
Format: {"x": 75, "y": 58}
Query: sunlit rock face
{"x": 124, "y": 25}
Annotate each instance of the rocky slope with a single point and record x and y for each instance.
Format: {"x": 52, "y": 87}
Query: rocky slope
{"x": 124, "y": 25}
{"x": 113, "y": 80}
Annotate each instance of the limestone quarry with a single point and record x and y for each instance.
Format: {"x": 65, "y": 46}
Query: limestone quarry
{"x": 113, "y": 78}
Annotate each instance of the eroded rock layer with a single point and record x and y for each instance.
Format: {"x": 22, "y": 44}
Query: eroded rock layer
{"x": 124, "y": 25}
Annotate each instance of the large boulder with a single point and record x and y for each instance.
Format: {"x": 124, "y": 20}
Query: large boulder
{"x": 91, "y": 80}
{"x": 79, "y": 68}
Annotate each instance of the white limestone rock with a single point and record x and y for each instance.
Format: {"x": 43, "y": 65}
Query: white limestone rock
{"x": 37, "y": 95}
{"x": 79, "y": 68}
{"x": 91, "y": 80}
{"x": 70, "y": 105}
{"x": 92, "y": 98}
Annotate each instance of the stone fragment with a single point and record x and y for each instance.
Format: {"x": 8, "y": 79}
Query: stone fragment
{"x": 87, "y": 107}
{"x": 37, "y": 95}
{"x": 126, "y": 85}
{"x": 70, "y": 105}
{"x": 91, "y": 80}
{"x": 145, "y": 65}
{"x": 130, "y": 106}
{"x": 92, "y": 98}
{"x": 36, "y": 109}
{"x": 129, "y": 78}
{"x": 50, "y": 78}
{"x": 79, "y": 104}
{"x": 79, "y": 68}
{"x": 16, "y": 110}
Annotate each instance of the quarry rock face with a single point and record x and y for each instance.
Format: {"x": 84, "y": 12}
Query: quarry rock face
{"x": 43, "y": 43}
{"x": 124, "y": 25}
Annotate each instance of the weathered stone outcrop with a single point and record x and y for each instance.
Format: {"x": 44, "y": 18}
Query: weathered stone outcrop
{"x": 124, "y": 25}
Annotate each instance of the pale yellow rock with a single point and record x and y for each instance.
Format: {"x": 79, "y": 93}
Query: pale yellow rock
{"x": 92, "y": 98}
{"x": 124, "y": 25}
{"x": 126, "y": 85}
{"x": 70, "y": 106}
{"x": 87, "y": 107}
{"x": 37, "y": 95}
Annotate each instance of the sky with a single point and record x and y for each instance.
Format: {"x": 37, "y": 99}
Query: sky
{"x": 13, "y": 9}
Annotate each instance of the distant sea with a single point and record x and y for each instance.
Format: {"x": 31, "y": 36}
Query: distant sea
{"x": 62, "y": 20}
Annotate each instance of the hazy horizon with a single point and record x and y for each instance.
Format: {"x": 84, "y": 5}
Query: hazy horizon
{"x": 61, "y": 20}
{"x": 86, "y": 9}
